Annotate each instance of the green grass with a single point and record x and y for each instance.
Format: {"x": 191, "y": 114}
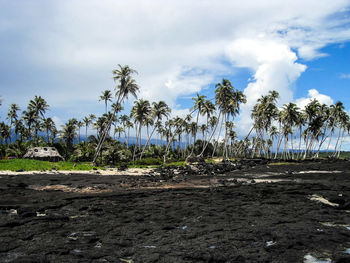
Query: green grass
{"x": 282, "y": 163}
{"x": 35, "y": 165}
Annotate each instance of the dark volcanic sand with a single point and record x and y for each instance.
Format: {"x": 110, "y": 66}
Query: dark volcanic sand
{"x": 94, "y": 218}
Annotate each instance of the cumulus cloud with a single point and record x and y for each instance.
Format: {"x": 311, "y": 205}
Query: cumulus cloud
{"x": 314, "y": 94}
{"x": 275, "y": 67}
{"x": 66, "y": 50}
{"x": 345, "y": 76}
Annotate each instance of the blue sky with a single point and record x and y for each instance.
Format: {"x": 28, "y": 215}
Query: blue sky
{"x": 65, "y": 51}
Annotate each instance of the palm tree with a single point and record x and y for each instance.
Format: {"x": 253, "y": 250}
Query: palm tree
{"x": 199, "y": 103}
{"x": 12, "y": 115}
{"x": 87, "y": 121}
{"x": 5, "y": 132}
{"x": 69, "y": 132}
{"x": 29, "y": 118}
{"x": 79, "y": 125}
{"x": 140, "y": 111}
{"x": 39, "y": 107}
{"x": 335, "y": 112}
{"x": 290, "y": 116}
{"x": 228, "y": 100}
{"x": 311, "y": 112}
{"x": 106, "y": 96}
{"x": 48, "y": 125}
{"x": 125, "y": 87}
{"x": 159, "y": 110}
{"x": 118, "y": 130}
{"x": 263, "y": 114}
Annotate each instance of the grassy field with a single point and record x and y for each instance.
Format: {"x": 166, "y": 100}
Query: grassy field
{"x": 35, "y": 165}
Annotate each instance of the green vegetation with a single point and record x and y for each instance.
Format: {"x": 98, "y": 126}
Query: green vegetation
{"x": 35, "y": 165}
{"x": 286, "y": 132}
{"x": 282, "y": 163}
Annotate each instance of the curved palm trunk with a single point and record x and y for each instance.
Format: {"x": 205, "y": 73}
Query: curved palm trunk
{"x": 336, "y": 145}
{"x": 105, "y": 132}
{"x": 194, "y": 137}
{"x": 217, "y": 141}
{"x": 224, "y": 152}
{"x": 148, "y": 140}
{"x": 211, "y": 136}
{"x": 167, "y": 148}
{"x": 341, "y": 143}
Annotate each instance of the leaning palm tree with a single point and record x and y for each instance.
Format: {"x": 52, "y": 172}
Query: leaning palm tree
{"x": 106, "y": 96}
{"x": 335, "y": 114}
{"x": 126, "y": 86}
{"x": 199, "y": 103}
{"x": 159, "y": 110}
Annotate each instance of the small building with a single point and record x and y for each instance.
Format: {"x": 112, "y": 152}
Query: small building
{"x": 44, "y": 154}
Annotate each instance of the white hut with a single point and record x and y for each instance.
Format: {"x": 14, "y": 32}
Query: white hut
{"x": 43, "y": 153}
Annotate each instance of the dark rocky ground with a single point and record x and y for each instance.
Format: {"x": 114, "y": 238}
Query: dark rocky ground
{"x": 202, "y": 213}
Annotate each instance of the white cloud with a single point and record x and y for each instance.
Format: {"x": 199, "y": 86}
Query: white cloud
{"x": 275, "y": 68}
{"x": 314, "y": 94}
{"x": 65, "y": 50}
{"x": 58, "y": 122}
{"x": 345, "y": 76}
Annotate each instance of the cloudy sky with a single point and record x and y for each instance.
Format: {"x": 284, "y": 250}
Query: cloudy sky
{"x": 65, "y": 51}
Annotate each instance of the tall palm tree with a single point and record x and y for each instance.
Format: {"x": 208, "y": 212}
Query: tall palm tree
{"x": 106, "y": 96}
{"x": 264, "y": 112}
{"x": 159, "y": 110}
{"x": 125, "y": 120}
{"x": 199, "y": 103}
{"x": 126, "y": 86}
{"x": 290, "y": 116}
{"x": 12, "y": 115}
{"x": 335, "y": 113}
{"x": 48, "y": 125}
{"x": 79, "y": 125}
{"x": 69, "y": 132}
{"x": 39, "y": 106}
{"x": 311, "y": 111}
{"x": 140, "y": 112}
{"x": 29, "y": 118}
{"x": 87, "y": 121}
{"x": 5, "y": 133}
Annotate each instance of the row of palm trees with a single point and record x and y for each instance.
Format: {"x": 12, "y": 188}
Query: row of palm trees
{"x": 288, "y": 132}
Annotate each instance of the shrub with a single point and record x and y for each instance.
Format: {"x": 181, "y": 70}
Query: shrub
{"x": 149, "y": 161}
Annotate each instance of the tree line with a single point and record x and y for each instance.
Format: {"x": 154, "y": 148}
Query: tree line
{"x": 287, "y": 132}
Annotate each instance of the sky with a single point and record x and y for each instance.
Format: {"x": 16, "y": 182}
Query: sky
{"x": 66, "y": 50}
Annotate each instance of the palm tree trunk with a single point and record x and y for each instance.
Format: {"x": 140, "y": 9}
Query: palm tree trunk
{"x": 167, "y": 148}
{"x": 148, "y": 140}
{"x": 217, "y": 141}
{"x": 211, "y": 136}
{"x": 341, "y": 143}
{"x": 224, "y": 155}
{"x": 336, "y": 145}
